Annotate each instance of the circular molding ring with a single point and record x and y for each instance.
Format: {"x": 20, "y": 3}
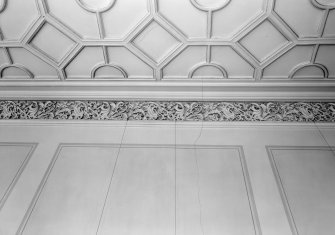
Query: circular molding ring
{"x": 199, "y": 66}
{"x": 322, "y": 5}
{"x": 85, "y": 6}
{"x": 212, "y": 7}
{"x": 304, "y": 65}
{"x": 17, "y": 66}
{"x": 3, "y": 4}
{"x": 117, "y": 67}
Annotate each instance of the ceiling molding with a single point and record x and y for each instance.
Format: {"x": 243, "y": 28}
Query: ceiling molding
{"x": 177, "y": 90}
{"x": 179, "y": 124}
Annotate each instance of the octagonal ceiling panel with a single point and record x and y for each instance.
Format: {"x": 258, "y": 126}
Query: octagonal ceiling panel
{"x": 157, "y": 44}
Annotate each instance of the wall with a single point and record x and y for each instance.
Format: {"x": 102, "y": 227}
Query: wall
{"x": 76, "y": 177}
{"x": 159, "y": 60}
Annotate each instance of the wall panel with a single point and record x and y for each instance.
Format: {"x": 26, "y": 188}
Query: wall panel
{"x": 142, "y": 193}
{"x": 72, "y": 193}
{"x": 13, "y": 158}
{"x": 306, "y": 179}
{"x": 169, "y": 178}
{"x": 213, "y": 192}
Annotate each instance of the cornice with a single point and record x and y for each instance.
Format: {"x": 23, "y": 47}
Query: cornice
{"x": 168, "y": 91}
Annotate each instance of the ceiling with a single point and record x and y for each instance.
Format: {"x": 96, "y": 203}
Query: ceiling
{"x": 147, "y": 48}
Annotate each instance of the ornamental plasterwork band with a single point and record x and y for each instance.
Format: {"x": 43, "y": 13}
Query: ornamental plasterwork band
{"x": 168, "y": 111}
{"x": 151, "y": 38}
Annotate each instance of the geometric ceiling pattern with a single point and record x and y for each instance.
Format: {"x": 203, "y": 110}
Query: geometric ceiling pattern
{"x": 221, "y": 40}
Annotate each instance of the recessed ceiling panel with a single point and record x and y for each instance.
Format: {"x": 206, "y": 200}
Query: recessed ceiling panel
{"x": 71, "y": 14}
{"x": 81, "y": 66}
{"x": 226, "y": 23}
{"x": 183, "y": 15}
{"x": 264, "y": 41}
{"x": 16, "y": 16}
{"x": 326, "y": 56}
{"x": 24, "y": 61}
{"x": 3, "y": 56}
{"x": 301, "y": 15}
{"x": 234, "y": 63}
{"x": 155, "y": 41}
{"x": 283, "y": 66}
{"x": 49, "y": 35}
{"x": 131, "y": 64}
{"x": 185, "y": 61}
{"x": 119, "y": 21}
{"x": 329, "y": 28}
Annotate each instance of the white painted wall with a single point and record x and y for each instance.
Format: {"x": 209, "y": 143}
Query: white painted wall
{"x": 188, "y": 178}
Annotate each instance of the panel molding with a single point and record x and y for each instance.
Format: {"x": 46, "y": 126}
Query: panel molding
{"x": 239, "y": 148}
{"x": 33, "y": 147}
{"x": 280, "y": 186}
{"x": 250, "y": 194}
{"x": 47, "y": 173}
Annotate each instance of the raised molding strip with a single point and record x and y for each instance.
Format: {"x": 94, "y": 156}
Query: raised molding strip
{"x": 276, "y": 172}
{"x": 238, "y": 148}
{"x": 19, "y": 171}
{"x": 168, "y": 111}
{"x": 176, "y": 91}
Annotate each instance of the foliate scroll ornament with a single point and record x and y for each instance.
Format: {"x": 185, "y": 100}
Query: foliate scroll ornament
{"x": 169, "y": 111}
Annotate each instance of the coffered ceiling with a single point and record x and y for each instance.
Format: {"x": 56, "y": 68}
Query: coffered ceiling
{"x": 143, "y": 48}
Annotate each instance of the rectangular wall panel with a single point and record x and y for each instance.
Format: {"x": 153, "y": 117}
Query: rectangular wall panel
{"x": 144, "y": 190}
{"x": 213, "y": 192}
{"x": 142, "y": 194}
{"x": 13, "y": 158}
{"x": 73, "y": 192}
{"x": 306, "y": 179}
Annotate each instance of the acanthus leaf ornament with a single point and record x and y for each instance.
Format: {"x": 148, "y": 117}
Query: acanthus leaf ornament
{"x": 169, "y": 111}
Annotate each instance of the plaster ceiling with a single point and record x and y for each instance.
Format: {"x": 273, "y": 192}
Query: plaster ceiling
{"x": 161, "y": 43}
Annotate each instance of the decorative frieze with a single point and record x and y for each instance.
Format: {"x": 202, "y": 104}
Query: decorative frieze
{"x": 169, "y": 111}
